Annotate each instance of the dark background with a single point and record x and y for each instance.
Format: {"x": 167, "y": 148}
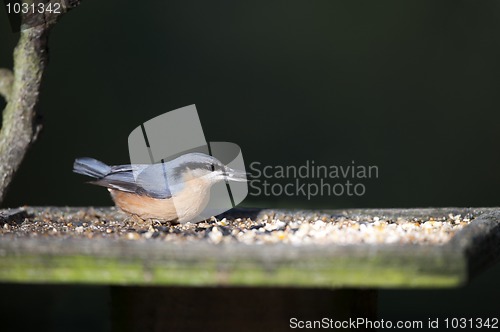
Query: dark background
{"x": 409, "y": 86}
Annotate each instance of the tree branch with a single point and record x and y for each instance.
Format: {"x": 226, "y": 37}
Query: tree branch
{"x": 21, "y": 90}
{"x": 6, "y": 79}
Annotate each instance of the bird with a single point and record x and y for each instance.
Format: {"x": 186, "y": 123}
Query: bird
{"x": 174, "y": 191}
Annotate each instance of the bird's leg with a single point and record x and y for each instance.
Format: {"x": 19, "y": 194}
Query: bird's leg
{"x": 155, "y": 222}
{"x": 135, "y": 219}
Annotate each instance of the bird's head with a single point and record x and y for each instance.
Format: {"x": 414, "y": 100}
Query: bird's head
{"x": 200, "y": 165}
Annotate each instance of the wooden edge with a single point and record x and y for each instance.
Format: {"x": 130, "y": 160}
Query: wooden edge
{"x": 479, "y": 242}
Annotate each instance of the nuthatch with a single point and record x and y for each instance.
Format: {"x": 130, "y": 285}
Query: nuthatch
{"x": 177, "y": 190}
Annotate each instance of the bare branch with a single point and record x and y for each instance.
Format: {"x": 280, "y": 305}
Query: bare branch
{"x": 6, "y": 79}
{"x": 20, "y": 126}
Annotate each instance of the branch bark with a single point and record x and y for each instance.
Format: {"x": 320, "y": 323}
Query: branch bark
{"x": 6, "y": 79}
{"x": 21, "y": 90}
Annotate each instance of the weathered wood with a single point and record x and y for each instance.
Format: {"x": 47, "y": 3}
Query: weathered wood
{"x": 151, "y": 262}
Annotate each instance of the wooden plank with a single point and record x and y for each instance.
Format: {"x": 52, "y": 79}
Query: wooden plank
{"x": 46, "y": 259}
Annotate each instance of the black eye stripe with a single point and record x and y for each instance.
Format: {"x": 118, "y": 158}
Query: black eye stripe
{"x": 196, "y": 165}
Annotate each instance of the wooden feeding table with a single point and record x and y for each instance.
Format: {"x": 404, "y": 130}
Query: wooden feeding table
{"x": 273, "y": 256}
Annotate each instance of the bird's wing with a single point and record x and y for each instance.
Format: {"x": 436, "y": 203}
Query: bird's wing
{"x": 144, "y": 180}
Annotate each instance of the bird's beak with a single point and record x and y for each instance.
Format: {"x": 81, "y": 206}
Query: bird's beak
{"x": 235, "y": 175}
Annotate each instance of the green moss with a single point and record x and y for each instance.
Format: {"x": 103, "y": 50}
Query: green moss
{"x": 338, "y": 273}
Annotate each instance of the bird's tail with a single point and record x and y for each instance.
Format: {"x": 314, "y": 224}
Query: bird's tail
{"x": 91, "y": 167}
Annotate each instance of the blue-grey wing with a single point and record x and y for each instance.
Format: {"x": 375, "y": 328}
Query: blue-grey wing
{"x": 154, "y": 180}
{"x": 148, "y": 180}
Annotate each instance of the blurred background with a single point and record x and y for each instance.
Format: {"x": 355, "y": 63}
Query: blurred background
{"x": 409, "y": 86}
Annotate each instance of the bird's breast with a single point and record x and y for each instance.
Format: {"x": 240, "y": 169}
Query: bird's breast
{"x": 182, "y": 207}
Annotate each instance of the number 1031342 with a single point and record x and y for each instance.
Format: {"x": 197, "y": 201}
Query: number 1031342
{"x": 471, "y": 323}
{"x": 33, "y": 8}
